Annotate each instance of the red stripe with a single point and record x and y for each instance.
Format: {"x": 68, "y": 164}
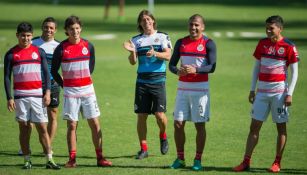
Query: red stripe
{"x": 28, "y": 85}
{"x": 272, "y": 77}
{"x": 77, "y": 82}
{"x": 194, "y": 78}
{"x": 68, "y": 60}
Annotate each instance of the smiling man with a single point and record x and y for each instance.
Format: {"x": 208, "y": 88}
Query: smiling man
{"x": 151, "y": 49}
{"x": 47, "y": 42}
{"x": 197, "y": 54}
{"x": 27, "y": 63}
{"x": 274, "y": 54}
{"x": 76, "y": 57}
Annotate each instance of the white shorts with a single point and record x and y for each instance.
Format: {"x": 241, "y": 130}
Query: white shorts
{"x": 192, "y": 106}
{"x": 86, "y": 105}
{"x": 31, "y": 109}
{"x": 266, "y": 102}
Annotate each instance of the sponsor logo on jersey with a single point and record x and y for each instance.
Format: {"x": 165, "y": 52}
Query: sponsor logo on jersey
{"x": 271, "y": 50}
{"x": 156, "y": 40}
{"x": 281, "y": 51}
{"x": 34, "y": 55}
{"x": 200, "y": 47}
{"x": 84, "y": 51}
{"x": 17, "y": 55}
{"x": 67, "y": 51}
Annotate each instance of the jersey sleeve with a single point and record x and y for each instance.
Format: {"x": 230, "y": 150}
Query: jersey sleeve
{"x": 175, "y": 57}
{"x": 293, "y": 56}
{"x": 92, "y": 58}
{"x": 44, "y": 68}
{"x": 56, "y": 63}
{"x": 166, "y": 42}
{"x": 257, "y": 52}
{"x": 8, "y": 66}
{"x": 211, "y": 55}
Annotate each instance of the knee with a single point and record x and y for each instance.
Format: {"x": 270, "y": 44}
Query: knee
{"x": 72, "y": 126}
{"x": 160, "y": 115}
{"x": 179, "y": 126}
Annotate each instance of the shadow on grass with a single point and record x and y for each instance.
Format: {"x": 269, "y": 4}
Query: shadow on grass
{"x": 186, "y": 169}
{"x": 252, "y": 170}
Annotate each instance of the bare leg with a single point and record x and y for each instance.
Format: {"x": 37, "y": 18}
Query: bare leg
{"x": 96, "y": 132}
{"x": 107, "y": 9}
{"x": 281, "y": 138}
{"x": 43, "y": 137}
{"x": 71, "y": 135}
{"x": 179, "y": 135}
{"x": 52, "y": 124}
{"x": 161, "y": 121}
{"x": 25, "y": 129}
{"x": 121, "y": 8}
{"x": 142, "y": 126}
{"x": 200, "y": 137}
{"x": 253, "y": 137}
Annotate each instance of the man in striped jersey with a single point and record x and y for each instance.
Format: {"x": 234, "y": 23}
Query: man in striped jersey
{"x": 28, "y": 63}
{"x": 197, "y": 54}
{"x": 151, "y": 49}
{"x": 47, "y": 42}
{"x": 274, "y": 55}
{"x": 76, "y": 57}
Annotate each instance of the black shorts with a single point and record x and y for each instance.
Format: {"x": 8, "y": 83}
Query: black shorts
{"x": 54, "y": 95}
{"x": 54, "y": 99}
{"x": 149, "y": 98}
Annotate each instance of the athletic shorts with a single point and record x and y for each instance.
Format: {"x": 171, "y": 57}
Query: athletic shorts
{"x": 54, "y": 100}
{"x": 54, "y": 95}
{"x": 268, "y": 102}
{"x": 86, "y": 105}
{"x": 192, "y": 106}
{"x": 149, "y": 98}
{"x": 31, "y": 109}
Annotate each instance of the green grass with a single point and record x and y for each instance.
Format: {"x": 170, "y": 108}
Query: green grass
{"x": 114, "y": 81}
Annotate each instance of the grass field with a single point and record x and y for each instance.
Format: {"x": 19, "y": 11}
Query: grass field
{"x": 114, "y": 81}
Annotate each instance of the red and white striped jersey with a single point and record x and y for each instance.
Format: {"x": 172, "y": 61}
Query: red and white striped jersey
{"x": 274, "y": 61}
{"x": 193, "y": 52}
{"x": 26, "y": 68}
{"x": 77, "y": 81}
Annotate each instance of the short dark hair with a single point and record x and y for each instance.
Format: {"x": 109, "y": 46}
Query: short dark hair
{"x": 197, "y": 16}
{"x": 71, "y": 20}
{"x": 276, "y": 19}
{"x": 24, "y": 27}
{"x": 147, "y": 13}
{"x": 49, "y": 19}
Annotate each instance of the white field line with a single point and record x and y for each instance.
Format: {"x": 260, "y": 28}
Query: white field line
{"x": 102, "y": 37}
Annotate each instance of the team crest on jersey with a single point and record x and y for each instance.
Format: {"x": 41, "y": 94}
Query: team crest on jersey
{"x": 156, "y": 40}
{"x": 200, "y": 47}
{"x": 34, "y": 55}
{"x": 281, "y": 51}
{"x": 84, "y": 51}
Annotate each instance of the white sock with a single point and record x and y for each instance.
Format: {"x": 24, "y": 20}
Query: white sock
{"x": 27, "y": 157}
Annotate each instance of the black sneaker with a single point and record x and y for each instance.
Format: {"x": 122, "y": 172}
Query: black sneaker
{"x": 52, "y": 165}
{"x": 142, "y": 154}
{"x": 27, "y": 165}
{"x": 163, "y": 146}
